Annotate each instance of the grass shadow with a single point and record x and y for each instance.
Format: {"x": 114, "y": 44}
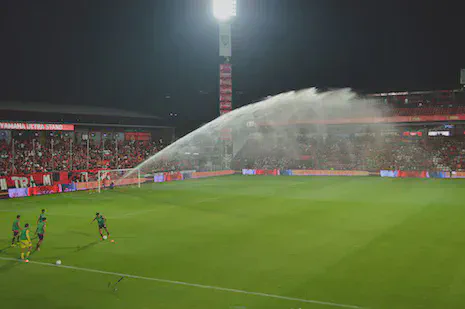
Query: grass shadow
{"x": 88, "y": 246}
{"x": 9, "y": 265}
{"x": 82, "y": 233}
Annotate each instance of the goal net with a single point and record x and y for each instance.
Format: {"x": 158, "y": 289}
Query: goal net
{"x": 108, "y": 179}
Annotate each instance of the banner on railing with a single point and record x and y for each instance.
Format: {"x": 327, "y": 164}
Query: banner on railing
{"x": 457, "y": 174}
{"x": 68, "y": 187}
{"x": 415, "y": 174}
{"x": 21, "y": 192}
{"x": 412, "y": 174}
{"x": 384, "y": 173}
{"x": 159, "y": 177}
{"x": 137, "y": 136}
{"x": 212, "y": 174}
{"x": 25, "y": 181}
{"x": 172, "y": 176}
{"x": 328, "y": 173}
{"x": 43, "y": 190}
{"x": 438, "y": 174}
{"x": 36, "y": 126}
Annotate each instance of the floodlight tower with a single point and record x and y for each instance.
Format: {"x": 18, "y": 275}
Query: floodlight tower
{"x": 225, "y": 11}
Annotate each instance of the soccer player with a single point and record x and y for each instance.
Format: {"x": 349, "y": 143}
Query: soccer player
{"x": 41, "y": 216}
{"x": 16, "y": 229}
{"x": 102, "y": 224}
{"x": 25, "y": 242}
{"x": 40, "y": 231}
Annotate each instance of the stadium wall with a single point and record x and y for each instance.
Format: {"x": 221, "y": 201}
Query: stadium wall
{"x": 420, "y": 174}
{"x": 382, "y": 173}
{"x": 304, "y": 172}
{"x": 15, "y": 186}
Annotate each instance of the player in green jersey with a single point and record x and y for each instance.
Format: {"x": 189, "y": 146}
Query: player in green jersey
{"x": 41, "y": 216}
{"x": 25, "y": 242}
{"x": 16, "y": 229}
{"x": 102, "y": 224}
{"x": 40, "y": 231}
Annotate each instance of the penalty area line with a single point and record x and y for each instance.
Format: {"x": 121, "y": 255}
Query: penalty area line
{"x": 209, "y": 287}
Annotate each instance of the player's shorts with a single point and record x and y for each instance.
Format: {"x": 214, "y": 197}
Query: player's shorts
{"x": 15, "y": 233}
{"x": 24, "y": 244}
{"x": 102, "y": 226}
{"x": 41, "y": 236}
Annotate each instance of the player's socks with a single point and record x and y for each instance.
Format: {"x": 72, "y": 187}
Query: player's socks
{"x": 27, "y": 254}
{"x": 22, "y": 255}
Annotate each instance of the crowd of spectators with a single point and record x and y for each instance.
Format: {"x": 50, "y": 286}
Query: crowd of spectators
{"x": 60, "y": 154}
{"x": 355, "y": 152}
{"x": 365, "y": 152}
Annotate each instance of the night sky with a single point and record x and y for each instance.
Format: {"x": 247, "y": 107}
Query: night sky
{"x": 161, "y": 56}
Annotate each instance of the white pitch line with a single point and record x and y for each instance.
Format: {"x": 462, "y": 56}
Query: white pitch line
{"x": 209, "y": 287}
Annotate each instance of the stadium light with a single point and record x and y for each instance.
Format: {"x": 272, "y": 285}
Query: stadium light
{"x": 224, "y": 10}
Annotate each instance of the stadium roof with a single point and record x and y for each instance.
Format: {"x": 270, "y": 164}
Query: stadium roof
{"x": 72, "y": 109}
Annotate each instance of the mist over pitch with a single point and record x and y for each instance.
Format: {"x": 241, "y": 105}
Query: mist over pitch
{"x": 272, "y": 124}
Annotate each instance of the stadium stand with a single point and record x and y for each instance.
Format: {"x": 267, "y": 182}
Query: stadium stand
{"x": 83, "y": 138}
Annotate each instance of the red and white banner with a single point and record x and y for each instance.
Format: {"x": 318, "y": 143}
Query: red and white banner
{"x": 36, "y": 126}
{"x": 43, "y": 190}
{"x": 225, "y": 97}
{"x": 137, "y": 136}
{"x": 225, "y": 81}
{"x": 224, "y": 69}
{"x": 225, "y": 105}
{"x": 25, "y": 181}
{"x": 225, "y": 88}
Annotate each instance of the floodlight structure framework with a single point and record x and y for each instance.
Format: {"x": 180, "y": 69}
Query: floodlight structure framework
{"x": 225, "y": 11}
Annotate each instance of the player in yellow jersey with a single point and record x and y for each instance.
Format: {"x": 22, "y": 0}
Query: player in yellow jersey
{"x": 25, "y": 242}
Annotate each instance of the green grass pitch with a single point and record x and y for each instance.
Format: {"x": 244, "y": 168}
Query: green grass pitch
{"x": 368, "y": 242}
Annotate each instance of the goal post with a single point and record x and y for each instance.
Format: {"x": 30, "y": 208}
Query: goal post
{"x": 118, "y": 177}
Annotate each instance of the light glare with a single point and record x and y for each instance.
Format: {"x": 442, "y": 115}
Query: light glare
{"x": 224, "y": 9}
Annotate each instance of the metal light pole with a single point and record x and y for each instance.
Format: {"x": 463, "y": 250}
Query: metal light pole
{"x": 13, "y": 168}
{"x": 70, "y": 154}
{"x": 53, "y": 156}
{"x": 224, "y": 11}
{"x": 88, "y": 152}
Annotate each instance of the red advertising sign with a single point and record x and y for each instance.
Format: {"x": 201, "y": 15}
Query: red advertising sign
{"x": 267, "y": 172}
{"x": 225, "y": 98}
{"x": 225, "y": 68}
{"x": 43, "y": 190}
{"x": 25, "y": 181}
{"x": 410, "y": 133}
{"x": 36, "y": 126}
{"x": 225, "y": 81}
{"x": 225, "y": 105}
{"x": 414, "y": 174}
{"x": 137, "y": 136}
{"x": 226, "y": 90}
{"x": 173, "y": 176}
